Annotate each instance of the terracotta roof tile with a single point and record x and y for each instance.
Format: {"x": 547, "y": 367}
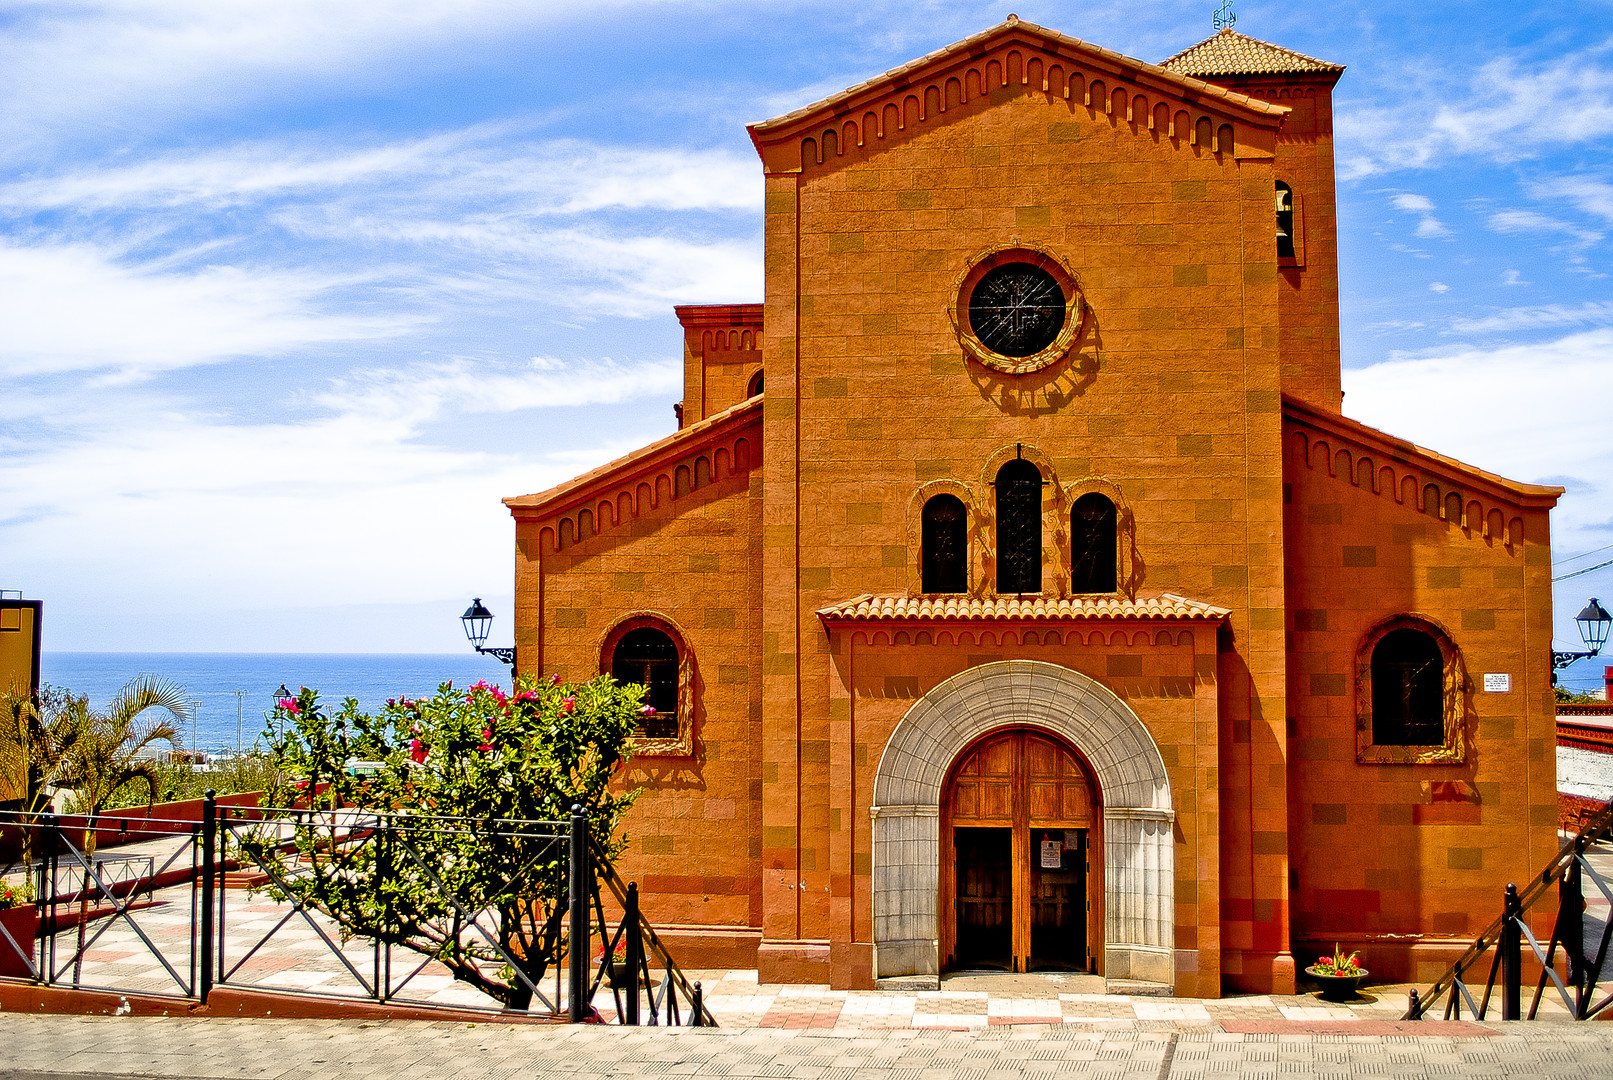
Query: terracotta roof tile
{"x": 870, "y": 608}
{"x": 1232, "y": 53}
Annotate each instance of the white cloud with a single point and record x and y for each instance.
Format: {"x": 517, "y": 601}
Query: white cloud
{"x": 1525, "y": 411}
{"x": 1507, "y": 110}
{"x": 116, "y": 59}
{"x": 482, "y": 164}
{"x": 1514, "y": 277}
{"x": 69, "y": 307}
{"x": 1530, "y": 221}
{"x": 1429, "y": 226}
{"x": 149, "y": 503}
{"x": 1539, "y": 317}
{"x": 1590, "y": 195}
{"x": 1438, "y": 287}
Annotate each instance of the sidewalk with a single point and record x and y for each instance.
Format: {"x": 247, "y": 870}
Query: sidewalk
{"x": 79, "y": 1048}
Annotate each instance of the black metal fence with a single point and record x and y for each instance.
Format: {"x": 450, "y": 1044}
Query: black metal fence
{"x": 205, "y": 923}
{"x": 1582, "y": 963}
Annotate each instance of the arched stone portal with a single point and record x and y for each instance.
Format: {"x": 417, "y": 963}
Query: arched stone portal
{"x": 1139, "y": 850}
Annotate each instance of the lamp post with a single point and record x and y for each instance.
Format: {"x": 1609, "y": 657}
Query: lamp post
{"x": 281, "y": 695}
{"x": 478, "y": 621}
{"x": 1593, "y": 622}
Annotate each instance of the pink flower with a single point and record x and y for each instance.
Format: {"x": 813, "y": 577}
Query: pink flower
{"x": 648, "y": 710}
{"x": 486, "y": 748}
{"x": 417, "y": 751}
{"x": 567, "y": 704}
{"x": 290, "y": 706}
{"x": 554, "y": 680}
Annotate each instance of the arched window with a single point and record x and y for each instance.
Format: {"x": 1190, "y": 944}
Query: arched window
{"x": 1093, "y": 556}
{"x": 1408, "y": 690}
{"x": 944, "y": 548}
{"x": 1019, "y": 528}
{"x": 648, "y": 656}
{"x": 755, "y": 385}
{"x": 1285, "y": 221}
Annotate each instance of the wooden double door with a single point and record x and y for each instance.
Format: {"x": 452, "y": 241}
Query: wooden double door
{"x": 1021, "y": 869}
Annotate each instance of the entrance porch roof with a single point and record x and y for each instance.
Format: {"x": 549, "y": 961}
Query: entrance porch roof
{"x": 1167, "y": 607}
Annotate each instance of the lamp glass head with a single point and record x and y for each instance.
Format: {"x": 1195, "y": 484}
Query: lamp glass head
{"x": 478, "y": 621}
{"x": 1594, "y": 623}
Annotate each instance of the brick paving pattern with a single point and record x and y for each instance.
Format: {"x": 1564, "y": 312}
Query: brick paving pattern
{"x": 69, "y": 1048}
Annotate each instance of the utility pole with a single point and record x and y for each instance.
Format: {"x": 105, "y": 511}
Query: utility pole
{"x": 238, "y": 698}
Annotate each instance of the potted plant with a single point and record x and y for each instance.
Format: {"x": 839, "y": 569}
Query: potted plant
{"x": 21, "y": 921}
{"x": 1338, "y": 975}
{"x": 620, "y": 977}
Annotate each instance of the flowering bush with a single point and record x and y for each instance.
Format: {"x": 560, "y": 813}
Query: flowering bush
{"x": 10, "y": 897}
{"x": 457, "y": 763}
{"x": 1338, "y": 964}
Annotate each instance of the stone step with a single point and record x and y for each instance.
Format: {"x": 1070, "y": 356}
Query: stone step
{"x": 1136, "y": 988}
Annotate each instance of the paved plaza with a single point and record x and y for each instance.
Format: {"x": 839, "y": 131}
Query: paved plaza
{"x": 66, "y": 1048}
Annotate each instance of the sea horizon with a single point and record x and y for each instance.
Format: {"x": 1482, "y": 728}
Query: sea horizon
{"x": 233, "y": 693}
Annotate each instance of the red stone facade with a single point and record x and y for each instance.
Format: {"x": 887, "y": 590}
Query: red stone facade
{"x": 1263, "y": 544}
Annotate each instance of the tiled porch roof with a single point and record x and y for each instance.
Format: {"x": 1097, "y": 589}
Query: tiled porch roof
{"x": 870, "y": 608}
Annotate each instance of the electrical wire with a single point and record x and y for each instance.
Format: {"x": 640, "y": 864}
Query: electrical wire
{"x": 1587, "y": 570}
{"x": 1581, "y": 555}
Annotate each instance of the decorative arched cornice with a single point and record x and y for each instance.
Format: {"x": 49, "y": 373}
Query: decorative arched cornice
{"x": 709, "y": 451}
{"x": 1096, "y": 85}
{"x": 1482, "y": 505}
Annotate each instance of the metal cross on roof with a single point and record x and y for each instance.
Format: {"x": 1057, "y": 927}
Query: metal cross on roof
{"x": 1225, "y": 16}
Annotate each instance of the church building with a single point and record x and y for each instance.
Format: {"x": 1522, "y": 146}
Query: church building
{"x": 1014, "y": 594}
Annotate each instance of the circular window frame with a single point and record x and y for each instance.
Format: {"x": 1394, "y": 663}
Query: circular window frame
{"x": 963, "y": 291}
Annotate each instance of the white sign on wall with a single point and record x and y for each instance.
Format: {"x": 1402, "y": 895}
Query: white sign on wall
{"x": 1497, "y": 682}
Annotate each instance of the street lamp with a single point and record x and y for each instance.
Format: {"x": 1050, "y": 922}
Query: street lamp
{"x": 1593, "y": 622}
{"x": 280, "y": 695}
{"x": 478, "y": 621}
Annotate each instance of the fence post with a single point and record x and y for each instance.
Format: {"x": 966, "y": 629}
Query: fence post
{"x": 578, "y": 895}
{"x": 209, "y": 848}
{"x": 635, "y": 952}
{"x": 1511, "y": 946}
{"x": 697, "y": 1009}
{"x": 1571, "y": 924}
{"x": 46, "y": 894}
{"x": 1412, "y": 1010}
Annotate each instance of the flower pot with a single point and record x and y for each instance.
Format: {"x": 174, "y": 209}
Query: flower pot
{"x": 1337, "y": 987}
{"x": 22, "y": 923}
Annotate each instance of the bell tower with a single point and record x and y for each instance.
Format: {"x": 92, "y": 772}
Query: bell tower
{"x": 1304, "y": 206}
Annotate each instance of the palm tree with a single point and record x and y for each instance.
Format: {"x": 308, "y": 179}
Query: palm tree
{"x": 106, "y": 756}
{"x": 38, "y": 736}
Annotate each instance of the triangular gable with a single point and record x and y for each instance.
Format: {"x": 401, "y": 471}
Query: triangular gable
{"x": 1422, "y": 480}
{"x": 1229, "y": 53}
{"x": 1014, "y": 52}
{"x": 722, "y": 445}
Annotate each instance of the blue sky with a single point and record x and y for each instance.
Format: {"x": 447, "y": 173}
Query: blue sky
{"x": 293, "y": 293}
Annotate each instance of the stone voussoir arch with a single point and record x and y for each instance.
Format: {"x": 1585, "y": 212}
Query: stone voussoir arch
{"x": 1139, "y": 844}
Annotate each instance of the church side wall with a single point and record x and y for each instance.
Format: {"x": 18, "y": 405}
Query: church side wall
{"x": 695, "y": 833}
{"x": 1389, "y": 853}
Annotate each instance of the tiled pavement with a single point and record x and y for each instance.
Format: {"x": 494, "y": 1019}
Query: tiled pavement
{"x": 78, "y": 1048}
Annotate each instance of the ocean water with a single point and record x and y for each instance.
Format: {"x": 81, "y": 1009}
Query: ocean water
{"x": 225, "y": 719}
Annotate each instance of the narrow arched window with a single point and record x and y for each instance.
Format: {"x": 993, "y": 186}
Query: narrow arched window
{"x": 649, "y": 657}
{"x": 944, "y": 550}
{"x": 1285, "y": 221}
{"x": 1408, "y": 690}
{"x": 755, "y": 386}
{"x": 1093, "y": 562}
{"x": 1019, "y": 528}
